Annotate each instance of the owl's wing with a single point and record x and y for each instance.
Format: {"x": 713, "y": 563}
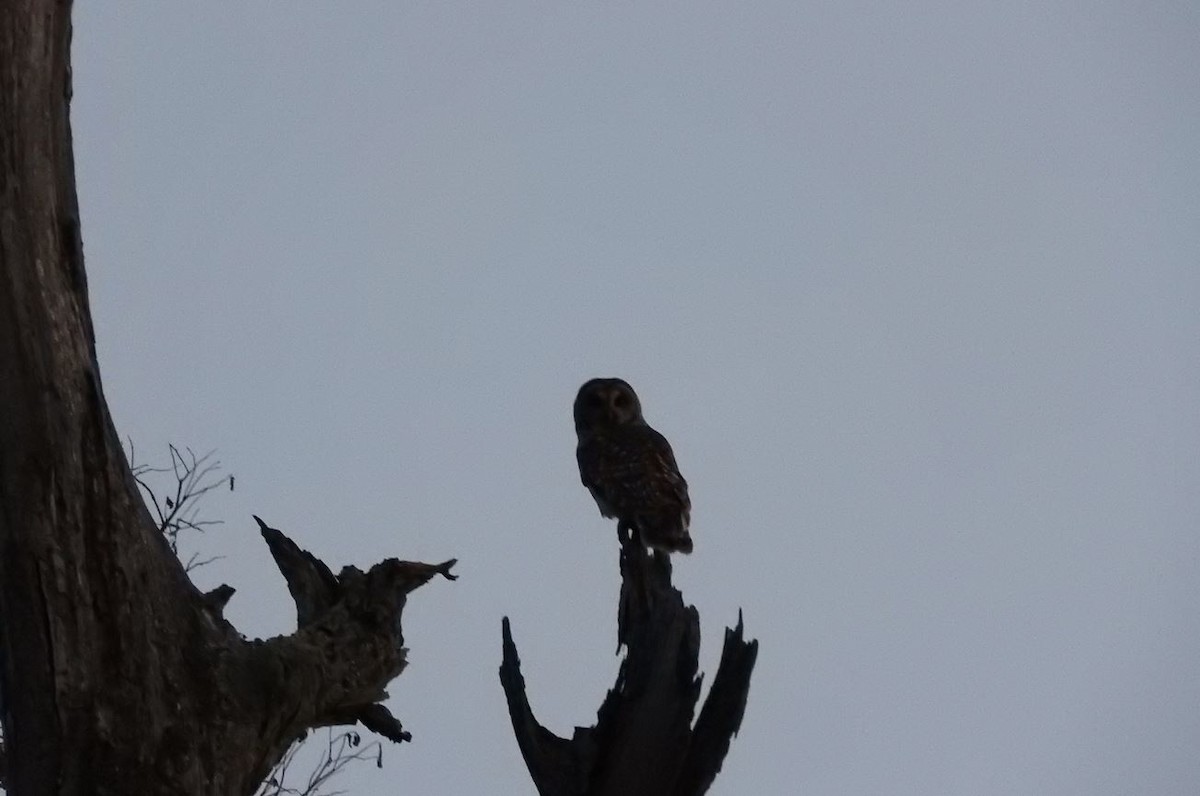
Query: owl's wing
{"x": 632, "y": 473}
{"x": 664, "y": 510}
{"x": 666, "y": 471}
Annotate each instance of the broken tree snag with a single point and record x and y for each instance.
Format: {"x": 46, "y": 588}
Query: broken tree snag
{"x": 643, "y": 742}
{"x": 348, "y": 644}
{"x": 315, "y": 588}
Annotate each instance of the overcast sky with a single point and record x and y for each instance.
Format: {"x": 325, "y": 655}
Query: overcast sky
{"x": 913, "y": 289}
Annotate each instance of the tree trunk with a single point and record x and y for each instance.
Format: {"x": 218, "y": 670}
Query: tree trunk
{"x": 117, "y": 675}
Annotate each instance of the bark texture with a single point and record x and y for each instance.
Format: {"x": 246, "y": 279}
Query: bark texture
{"x": 117, "y": 675}
{"x": 644, "y": 742}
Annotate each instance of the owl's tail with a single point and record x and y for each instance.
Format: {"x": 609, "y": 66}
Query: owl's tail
{"x": 683, "y": 544}
{"x": 668, "y": 538}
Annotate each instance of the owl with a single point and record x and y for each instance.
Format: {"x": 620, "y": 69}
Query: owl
{"x": 629, "y": 467}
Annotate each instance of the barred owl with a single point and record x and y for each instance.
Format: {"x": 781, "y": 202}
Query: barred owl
{"x": 629, "y": 467}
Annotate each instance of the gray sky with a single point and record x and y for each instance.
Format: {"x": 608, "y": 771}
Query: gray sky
{"x": 912, "y": 288}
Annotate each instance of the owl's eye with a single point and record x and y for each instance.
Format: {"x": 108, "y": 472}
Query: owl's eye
{"x": 621, "y": 401}
{"x": 595, "y": 399}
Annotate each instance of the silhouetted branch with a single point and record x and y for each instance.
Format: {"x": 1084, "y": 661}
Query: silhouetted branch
{"x": 643, "y": 743}
{"x": 348, "y": 635}
{"x": 557, "y": 766}
{"x": 218, "y": 598}
{"x": 313, "y": 586}
{"x": 376, "y": 718}
{"x": 721, "y": 716}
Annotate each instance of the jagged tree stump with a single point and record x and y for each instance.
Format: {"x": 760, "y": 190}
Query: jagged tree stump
{"x": 644, "y": 742}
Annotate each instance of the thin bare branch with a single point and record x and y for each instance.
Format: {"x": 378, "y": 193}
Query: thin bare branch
{"x": 341, "y": 750}
{"x": 179, "y": 510}
{"x": 195, "y": 561}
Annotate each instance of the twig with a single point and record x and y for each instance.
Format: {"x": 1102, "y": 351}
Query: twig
{"x": 178, "y": 512}
{"x": 340, "y": 751}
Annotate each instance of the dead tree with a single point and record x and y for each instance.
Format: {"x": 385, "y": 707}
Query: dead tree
{"x": 174, "y": 494}
{"x": 644, "y": 742}
{"x": 117, "y": 675}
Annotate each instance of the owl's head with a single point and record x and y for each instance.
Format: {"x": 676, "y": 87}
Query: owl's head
{"x": 602, "y": 403}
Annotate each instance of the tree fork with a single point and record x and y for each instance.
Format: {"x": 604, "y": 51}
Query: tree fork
{"x": 117, "y": 674}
